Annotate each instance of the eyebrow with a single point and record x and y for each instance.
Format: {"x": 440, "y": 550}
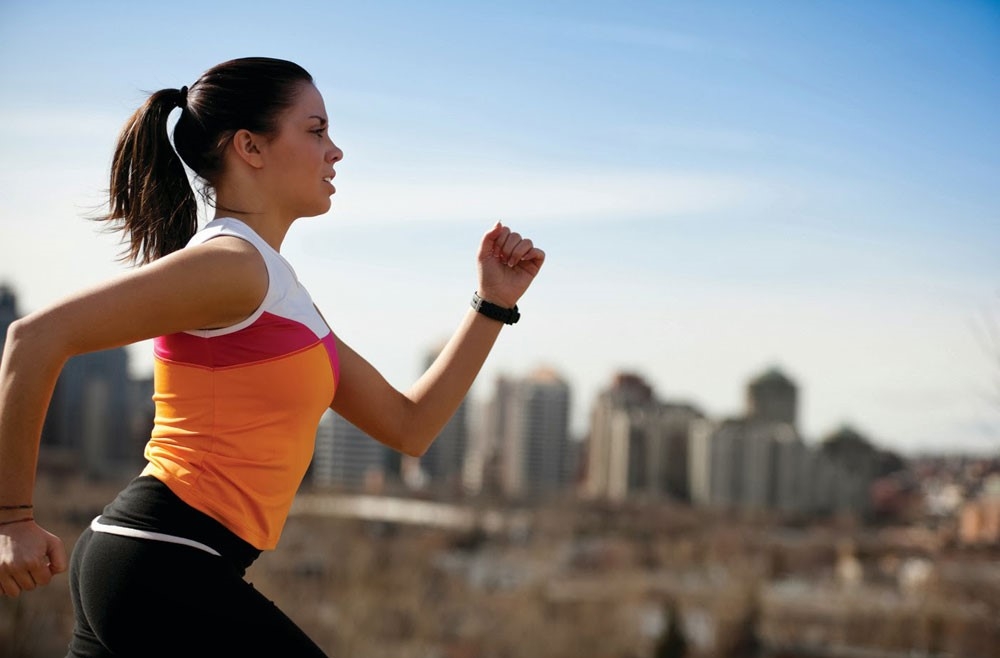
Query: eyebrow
{"x": 322, "y": 120}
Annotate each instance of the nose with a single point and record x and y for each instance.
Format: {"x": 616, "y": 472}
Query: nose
{"x": 334, "y": 154}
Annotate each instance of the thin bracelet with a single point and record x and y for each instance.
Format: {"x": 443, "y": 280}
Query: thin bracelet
{"x": 4, "y": 507}
{"x": 27, "y": 518}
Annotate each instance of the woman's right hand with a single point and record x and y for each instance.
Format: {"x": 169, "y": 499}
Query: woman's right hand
{"x": 29, "y": 557}
{"x": 507, "y": 263}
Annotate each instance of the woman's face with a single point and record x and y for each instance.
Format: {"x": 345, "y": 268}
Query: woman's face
{"x": 299, "y": 159}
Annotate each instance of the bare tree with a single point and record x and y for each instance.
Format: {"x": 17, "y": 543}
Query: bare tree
{"x": 994, "y": 337}
{"x": 987, "y": 330}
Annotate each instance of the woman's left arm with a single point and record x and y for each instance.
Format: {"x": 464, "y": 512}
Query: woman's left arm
{"x": 409, "y": 422}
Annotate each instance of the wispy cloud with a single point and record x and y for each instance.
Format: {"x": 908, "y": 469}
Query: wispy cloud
{"x": 52, "y": 123}
{"x": 449, "y": 195}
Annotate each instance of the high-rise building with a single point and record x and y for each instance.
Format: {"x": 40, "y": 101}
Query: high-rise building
{"x": 608, "y": 442}
{"x": 791, "y": 486}
{"x": 848, "y": 465}
{"x": 760, "y": 461}
{"x": 747, "y": 463}
{"x": 8, "y": 312}
{"x": 98, "y": 419}
{"x": 638, "y": 445}
{"x": 89, "y": 418}
{"x": 476, "y": 471}
{"x": 772, "y": 396}
{"x": 770, "y": 466}
{"x": 443, "y": 464}
{"x": 714, "y": 460}
{"x": 532, "y": 419}
{"x": 757, "y": 461}
{"x": 345, "y": 457}
{"x": 665, "y": 435}
{"x": 490, "y": 433}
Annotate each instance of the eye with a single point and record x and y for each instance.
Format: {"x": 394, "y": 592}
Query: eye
{"x": 319, "y": 132}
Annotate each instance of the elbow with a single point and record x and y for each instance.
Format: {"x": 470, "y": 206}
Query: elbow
{"x": 413, "y": 446}
{"x": 17, "y": 331}
{"x": 19, "y": 336}
{"x": 412, "y": 433}
{"x": 402, "y": 440}
{"x": 29, "y": 338}
{"x": 415, "y": 442}
{"x": 403, "y": 429}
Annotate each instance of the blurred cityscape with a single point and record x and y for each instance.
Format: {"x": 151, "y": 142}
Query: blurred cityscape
{"x": 661, "y": 532}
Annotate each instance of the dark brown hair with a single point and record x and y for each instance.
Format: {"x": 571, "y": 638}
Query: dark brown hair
{"x": 151, "y": 200}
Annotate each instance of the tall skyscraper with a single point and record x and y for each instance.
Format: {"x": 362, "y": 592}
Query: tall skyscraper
{"x": 772, "y": 396}
{"x": 747, "y": 463}
{"x": 756, "y": 461}
{"x": 667, "y": 434}
{"x": 609, "y": 440}
{"x": 98, "y": 419}
{"x": 714, "y": 460}
{"x": 444, "y": 462}
{"x": 638, "y": 445}
{"x": 345, "y": 457}
{"x": 8, "y": 312}
{"x": 532, "y": 419}
{"x": 851, "y": 464}
{"x": 760, "y": 461}
{"x": 89, "y": 418}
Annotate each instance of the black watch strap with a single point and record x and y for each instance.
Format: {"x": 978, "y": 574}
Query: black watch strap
{"x": 494, "y": 312}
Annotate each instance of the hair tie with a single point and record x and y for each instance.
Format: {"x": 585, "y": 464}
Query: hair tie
{"x": 182, "y": 97}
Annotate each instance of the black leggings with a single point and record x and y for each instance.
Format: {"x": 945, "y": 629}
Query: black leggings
{"x": 140, "y": 597}
{"x": 146, "y": 597}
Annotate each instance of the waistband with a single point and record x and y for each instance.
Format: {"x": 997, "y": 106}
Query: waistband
{"x": 147, "y": 508}
{"x": 123, "y": 531}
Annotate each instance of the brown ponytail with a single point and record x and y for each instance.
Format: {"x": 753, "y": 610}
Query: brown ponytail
{"x": 151, "y": 200}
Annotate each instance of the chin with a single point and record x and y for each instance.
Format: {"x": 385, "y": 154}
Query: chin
{"x": 318, "y": 209}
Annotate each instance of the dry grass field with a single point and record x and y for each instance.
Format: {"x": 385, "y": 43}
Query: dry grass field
{"x": 585, "y": 582}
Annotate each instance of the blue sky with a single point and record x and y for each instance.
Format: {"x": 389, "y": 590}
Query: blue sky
{"x": 720, "y": 187}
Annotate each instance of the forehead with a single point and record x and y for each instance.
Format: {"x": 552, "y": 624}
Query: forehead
{"x": 308, "y": 103}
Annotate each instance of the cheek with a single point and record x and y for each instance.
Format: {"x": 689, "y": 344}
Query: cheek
{"x": 307, "y": 158}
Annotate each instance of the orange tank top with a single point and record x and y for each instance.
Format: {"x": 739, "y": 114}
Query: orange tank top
{"x": 237, "y": 408}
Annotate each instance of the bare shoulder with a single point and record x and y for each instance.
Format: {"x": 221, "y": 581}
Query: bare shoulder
{"x": 223, "y": 260}
{"x": 226, "y": 273}
{"x": 198, "y": 287}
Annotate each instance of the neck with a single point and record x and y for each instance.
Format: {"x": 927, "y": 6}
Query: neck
{"x": 243, "y": 202}
{"x": 272, "y": 231}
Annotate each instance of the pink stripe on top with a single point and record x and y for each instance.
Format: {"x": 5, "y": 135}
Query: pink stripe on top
{"x": 268, "y": 337}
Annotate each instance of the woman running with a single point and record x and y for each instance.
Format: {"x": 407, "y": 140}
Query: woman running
{"x": 245, "y": 366}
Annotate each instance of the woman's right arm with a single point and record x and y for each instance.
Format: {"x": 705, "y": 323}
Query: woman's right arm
{"x": 215, "y": 284}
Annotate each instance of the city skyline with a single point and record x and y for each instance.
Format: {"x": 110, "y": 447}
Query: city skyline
{"x": 720, "y": 189}
{"x": 483, "y": 409}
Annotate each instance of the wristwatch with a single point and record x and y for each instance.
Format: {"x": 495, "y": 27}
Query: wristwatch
{"x": 494, "y": 312}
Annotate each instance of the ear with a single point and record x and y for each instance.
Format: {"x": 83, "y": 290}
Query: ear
{"x": 247, "y": 146}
